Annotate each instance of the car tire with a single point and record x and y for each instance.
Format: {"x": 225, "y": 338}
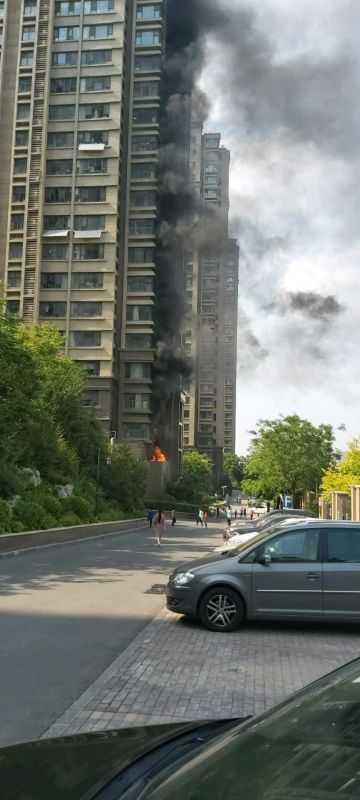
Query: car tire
{"x": 221, "y": 609}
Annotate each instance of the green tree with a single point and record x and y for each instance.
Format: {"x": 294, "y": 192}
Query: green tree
{"x": 339, "y": 477}
{"x": 234, "y": 470}
{"x": 289, "y": 455}
{"x": 123, "y": 478}
{"x": 195, "y": 481}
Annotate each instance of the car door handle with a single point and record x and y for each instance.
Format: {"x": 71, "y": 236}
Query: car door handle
{"x": 312, "y": 576}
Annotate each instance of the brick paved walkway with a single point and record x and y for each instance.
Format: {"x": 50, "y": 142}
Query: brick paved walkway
{"x": 176, "y": 671}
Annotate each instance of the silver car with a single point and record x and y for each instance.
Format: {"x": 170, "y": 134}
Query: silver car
{"x": 311, "y": 570}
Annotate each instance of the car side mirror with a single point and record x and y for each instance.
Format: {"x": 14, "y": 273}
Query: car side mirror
{"x": 265, "y": 559}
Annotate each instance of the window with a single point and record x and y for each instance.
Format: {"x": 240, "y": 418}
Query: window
{"x": 138, "y": 371}
{"x": 148, "y": 63}
{"x": 293, "y": 546}
{"x": 145, "y": 143}
{"x": 88, "y": 252}
{"x": 91, "y": 398}
{"x": 98, "y": 6}
{"x": 138, "y": 341}
{"x": 87, "y": 280}
{"x": 67, "y": 58}
{"x": 138, "y": 402}
{"x": 67, "y": 34}
{"x": 141, "y": 227}
{"x": 149, "y": 12}
{"x": 13, "y": 306}
{"x": 344, "y": 545}
{"x": 148, "y": 38}
{"x": 17, "y": 222}
{"x": 25, "y": 85}
{"x": 90, "y": 166}
{"x": 59, "y": 167}
{"x": 68, "y": 8}
{"x": 91, "y": 57}
{"x": 55, "y": 252}
{"x": 85, "y": 339}
{"x": 60, "y": 139}
{"x": 60, "y": 194}
{"x": 95, "y": 84}
{"x": 23, "y": 111}
{"x": 14, "y": 280}
{"x": 28, "y": 34}
{"x": 94, "y": 111}
{"x": 27, "y": 58}
{"x": 15, "y": 250}
{"x": 21, "y": 138}
{"x": 139, "y": 313}
{"x": 54, "y": 280}
{"x": 145, "y": 170}
{"x": 147, "y": 89}
{"x": 54, "y": 309}
{"x": 142, "y": 199}
{"x": 91, "y": 367}
{"x": 98, "y": 31}
{"x": 18, "y": 194}
{"x": 86, "y": 309}
{"x": 136, "y": 430}
{"x": 62, "y": 85}
{"x": 93, "y": 137}
{"x": 91, "y": 194}
{"x": 91, "y": 222}
{"x": 145, "y": 116}
{"x": 56, "y": 223}
{"x": 140, "y": 283}
{"x": 62, "y": 112}
{"x": 141, "y": 255}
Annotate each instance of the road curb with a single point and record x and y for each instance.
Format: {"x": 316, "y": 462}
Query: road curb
{"x": 97, "y": 537}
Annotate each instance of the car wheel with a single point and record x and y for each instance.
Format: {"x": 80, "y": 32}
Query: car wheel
{"x": 221, "y": 609}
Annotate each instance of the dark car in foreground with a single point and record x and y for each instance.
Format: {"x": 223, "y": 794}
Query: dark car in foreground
{"x": 307, "y": 570}
{"x": 307, "y": 748}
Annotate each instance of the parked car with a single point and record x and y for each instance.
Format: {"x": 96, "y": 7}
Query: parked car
{"x": 310, "y": 570}
{"x": 306, "y": 748}
{"x": 240, "y": 538}
{"x": 240, "y": 526}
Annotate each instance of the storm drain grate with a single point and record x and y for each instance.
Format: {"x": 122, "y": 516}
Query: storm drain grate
{"x": 157, "y": 588}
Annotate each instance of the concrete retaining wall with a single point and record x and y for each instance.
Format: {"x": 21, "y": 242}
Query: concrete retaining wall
{"x": 10, "y": 542}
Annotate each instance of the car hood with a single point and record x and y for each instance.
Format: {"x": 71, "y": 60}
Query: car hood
{"x": 190, "y": 566}
{"x": 69, "y": 768}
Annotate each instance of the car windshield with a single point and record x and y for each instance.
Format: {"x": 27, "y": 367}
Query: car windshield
{"x": 308, "y": 749}
{"x": 275, "y": 527}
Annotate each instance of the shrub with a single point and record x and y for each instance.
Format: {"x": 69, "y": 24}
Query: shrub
{"x": 51, "y": 522}
{"x": 17, "y": 526}
{"x": 78, "y": 506}
{"x": 67, "y": 520}
{"x": 32, "y": 515}
{"x": 51, "y": 505}
{"x": 5, "y": 517}
{"x": 111, "y": 514}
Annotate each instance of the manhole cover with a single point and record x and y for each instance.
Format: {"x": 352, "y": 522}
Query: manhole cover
{"x": 157, "y": 588}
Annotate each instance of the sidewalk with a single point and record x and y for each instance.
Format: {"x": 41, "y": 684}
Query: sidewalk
{"x": 175, "y": 671}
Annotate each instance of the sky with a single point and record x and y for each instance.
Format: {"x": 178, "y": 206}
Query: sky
{"x": 283, "y": 80}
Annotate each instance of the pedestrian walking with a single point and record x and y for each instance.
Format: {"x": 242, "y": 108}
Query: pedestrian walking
{"x": 245, "y": 512}
{"x": 217, "y": 512}
{"x": 205, "y": 518}
{"x": 268, "y": 506}
{"x": 228, "y": 516}
{"x": 200, "y": 518}
{"x": 160, "y": 523}
{"x": 150, "y": 517}
{"x": 173, "y": 518}
{"x": 235, "y": 513}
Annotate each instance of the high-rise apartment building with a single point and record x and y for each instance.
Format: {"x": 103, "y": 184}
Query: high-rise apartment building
{"x": 79, "y": 139}
{"x": 211, "y": 289}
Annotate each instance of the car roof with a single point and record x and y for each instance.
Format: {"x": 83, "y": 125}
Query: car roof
{"x": 318, "y": 523}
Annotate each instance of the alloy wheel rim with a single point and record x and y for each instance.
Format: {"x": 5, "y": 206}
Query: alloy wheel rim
{"x": 221, "y": 610}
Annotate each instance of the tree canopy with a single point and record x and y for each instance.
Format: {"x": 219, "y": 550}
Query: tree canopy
{"x": 195, "y": 481}
{"x": 339, "y": 477}
{"x": 234, "y": 470}
{"x": 288, "y": 455}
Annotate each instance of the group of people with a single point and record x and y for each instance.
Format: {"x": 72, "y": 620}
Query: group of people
{"x": 202, "y": 518}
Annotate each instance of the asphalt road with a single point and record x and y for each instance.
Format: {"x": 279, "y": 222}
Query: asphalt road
{"x": 67, "y": 612}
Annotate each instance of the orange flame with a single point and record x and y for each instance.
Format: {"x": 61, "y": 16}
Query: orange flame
{"x": 158, "y": 455}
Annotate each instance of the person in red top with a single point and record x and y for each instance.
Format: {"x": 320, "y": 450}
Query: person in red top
{"x": 206, "y": 518}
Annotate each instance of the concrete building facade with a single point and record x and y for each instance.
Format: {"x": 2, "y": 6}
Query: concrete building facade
{"x": 211, "y": 290}
{"x": 79, "y": 99}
